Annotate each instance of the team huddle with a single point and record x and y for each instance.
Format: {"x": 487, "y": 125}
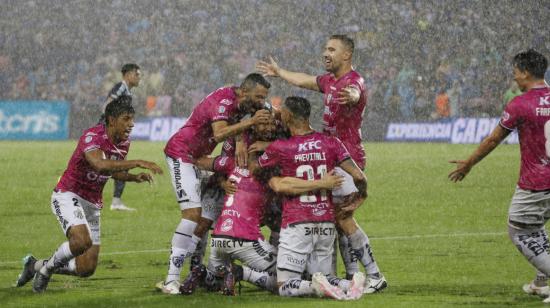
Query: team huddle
{"x": 274, "y": 170}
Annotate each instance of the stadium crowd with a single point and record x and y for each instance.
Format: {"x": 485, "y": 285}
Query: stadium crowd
{"x": 423, "y": 60}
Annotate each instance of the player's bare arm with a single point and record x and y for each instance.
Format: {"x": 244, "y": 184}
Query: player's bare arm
{"x": 488, "y": 144}
{"x": 223, "y": 131}
{"x": 259, "y": 146}
{"x": 301, "y": 80}
{"x": 129, "y": 177}
{"x": 295, "y": 186}
{"x": 98, "y": 161}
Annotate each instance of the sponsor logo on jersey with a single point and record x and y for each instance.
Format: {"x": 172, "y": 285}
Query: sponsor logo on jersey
{"x": 227, "y": 225}
{"x": 309, "y": 145}
{"x": 225, "y": 101}
{"x": 221, "y": 109}
{"x": 88, "y": 139}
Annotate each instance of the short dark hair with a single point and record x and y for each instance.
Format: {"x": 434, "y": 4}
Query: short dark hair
{"x": 128, "y": 67}
{"x": 298, "y": 106}
{"x": 119, "y": 106}
{"x": 346, "y": 40}
{"x": 254, "y": 79}
{"x": 531, "y": 61}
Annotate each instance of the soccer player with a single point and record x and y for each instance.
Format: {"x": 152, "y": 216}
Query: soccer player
{"x": 529, "y": 114}
{"x": 307, "y": 228}
{"x": 131, "y": 76}
{"x": 345, "y": 98}
{"x": 213, "y": 120}
{"x": 77, "y": 198}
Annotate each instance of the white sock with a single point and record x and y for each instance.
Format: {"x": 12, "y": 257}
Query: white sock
{"x": 533, "y": 244}
{"x": 263, "y": 280}
{"x": 116, "y": 201}
{"x": 67, "y": 269}
{"x": 61, "y": 257}
{"x": 361, "y": 249}
{"x": 349, "y": 259}
{"x": 184, "y": 243}
{"x": 39, "y": 263}
{"x": 296, "y": 287}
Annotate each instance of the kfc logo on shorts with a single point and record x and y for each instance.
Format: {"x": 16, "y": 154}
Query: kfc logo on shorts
{"x": 227, "y": 225}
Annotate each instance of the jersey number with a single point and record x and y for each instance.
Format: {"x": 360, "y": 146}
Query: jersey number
{"x": 310, "y": 176}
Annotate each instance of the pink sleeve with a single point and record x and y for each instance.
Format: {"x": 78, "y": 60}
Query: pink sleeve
{"x": 322, "y": 82}
{"x": 511, "y": 116}
{"x": 90, "y": 142}
{"x": 220, "y": 112}
{"x": 340, "y": 150}
{"x": 270, "y": 158}
{"x": 224, "y": 164}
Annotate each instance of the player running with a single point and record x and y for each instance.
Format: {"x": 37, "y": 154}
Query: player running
{"x": 77, "y": 198}
{"x": 307, "y": 227}
{"x": 345, "y": 98}
{"x": 529, "y": 210}
{"x": 214, "y": 119}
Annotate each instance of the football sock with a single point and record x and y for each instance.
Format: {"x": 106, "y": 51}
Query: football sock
{"x": 60, "y": 257}
{"x": 533, "y": 244}
{"x": 39, "y": 263}
{"x": 296, "y": 287}
{"x": 349, "y": 259}
{"x": 541, "y": 280}
{"x": 119, "y": 188}
{"x": 184, "y": 243}
{"x": 360, "y": 244}
{"x": 68, "y": 269}
{"x": 261, "y": 279}
{"x": 198, "y": 254}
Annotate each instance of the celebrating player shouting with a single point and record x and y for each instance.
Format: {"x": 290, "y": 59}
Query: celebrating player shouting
{"x": 77, "y": 198}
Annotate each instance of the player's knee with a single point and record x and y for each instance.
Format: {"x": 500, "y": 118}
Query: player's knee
{"x": 87, "y": 271}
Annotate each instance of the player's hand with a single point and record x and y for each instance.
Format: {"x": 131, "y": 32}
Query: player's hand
{"x": 241, "y": 152}
{"x": 348, "y": 95}
{"x": 229, "y": 186}
{"x": 331, "y": 180}
{"x": 144, "y": 177}
{"x": 353, "y": 203}
{"x": 268, "y": 69}
{"x": 258, "y": 146}
{"x": 261, "y": 116}
{"x": 462, "y": 169}
{"x": 151, "y": 166}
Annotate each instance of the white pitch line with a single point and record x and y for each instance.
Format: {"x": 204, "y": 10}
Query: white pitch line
{"x": 402, "y": 237}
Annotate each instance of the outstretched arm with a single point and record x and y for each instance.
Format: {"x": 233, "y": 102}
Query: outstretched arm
{"x": 295, "y": 186}
{"x": 96, "y": 158}
{"x": 298, "y": 79}
{"x": 488, "y": 144}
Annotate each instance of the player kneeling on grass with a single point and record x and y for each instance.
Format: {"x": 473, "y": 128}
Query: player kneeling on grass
{"x": 77, "y": 198}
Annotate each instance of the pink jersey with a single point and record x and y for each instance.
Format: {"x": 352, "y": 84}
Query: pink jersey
{"x": 242, "y": 212}
{"x": 307, "y": 157}
{"x": 196, "y": 138}
{"x": 344, "y": 121}
{"x": 79, "y": 177}
{"x": 529, "y": 113}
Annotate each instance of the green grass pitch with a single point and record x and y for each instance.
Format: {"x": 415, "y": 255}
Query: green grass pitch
{"x": 438, "y": 243}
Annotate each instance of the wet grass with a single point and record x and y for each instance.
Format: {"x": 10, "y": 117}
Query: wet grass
{"x": 438, "y": 243}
